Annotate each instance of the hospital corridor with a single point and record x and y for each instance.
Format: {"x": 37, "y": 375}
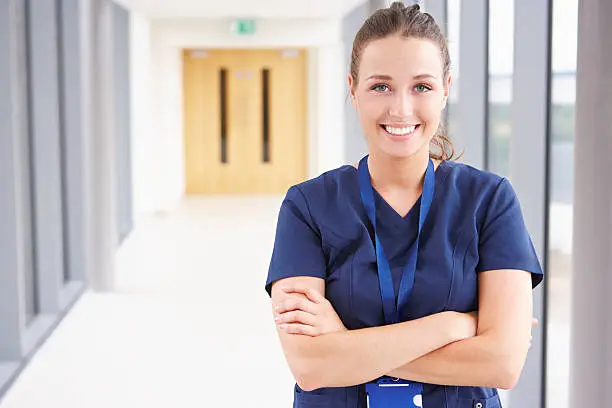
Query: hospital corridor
{"x": 149, "y": 150}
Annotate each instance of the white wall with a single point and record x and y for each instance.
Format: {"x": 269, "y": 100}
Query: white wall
{"x": 167, "y": 120}
{"x": 144, "y": 192}
{"x": 157, "y": 113}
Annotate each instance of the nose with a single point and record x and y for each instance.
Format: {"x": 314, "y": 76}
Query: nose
{"x": 401, "y": 106}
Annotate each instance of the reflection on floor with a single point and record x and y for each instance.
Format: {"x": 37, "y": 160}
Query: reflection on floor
{"x": 190, "y": 322}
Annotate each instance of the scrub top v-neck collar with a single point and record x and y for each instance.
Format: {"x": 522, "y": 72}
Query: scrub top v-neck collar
{"x": 387, "y": 213}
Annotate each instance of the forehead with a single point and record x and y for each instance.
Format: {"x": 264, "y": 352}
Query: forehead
{"x": 401, "y": 57}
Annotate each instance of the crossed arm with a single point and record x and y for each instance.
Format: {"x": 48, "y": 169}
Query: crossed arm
{"x": 447, "y": 348}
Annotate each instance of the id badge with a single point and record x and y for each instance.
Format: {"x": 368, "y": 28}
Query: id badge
{"x": 394, "y": 393}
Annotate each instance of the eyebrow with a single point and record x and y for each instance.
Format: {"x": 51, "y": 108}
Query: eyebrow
{"x": 388, "y": 78}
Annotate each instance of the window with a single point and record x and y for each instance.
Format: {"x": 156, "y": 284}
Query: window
{"x": 501, "y": 54}
{"x": 563, "y": 96}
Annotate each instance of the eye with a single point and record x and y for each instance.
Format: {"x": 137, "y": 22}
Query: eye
{"x": 422, "y": 88}
{"x": 380, "y": 88}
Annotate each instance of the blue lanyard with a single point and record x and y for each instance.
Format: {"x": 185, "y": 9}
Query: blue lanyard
{"x": 391, "y": 309}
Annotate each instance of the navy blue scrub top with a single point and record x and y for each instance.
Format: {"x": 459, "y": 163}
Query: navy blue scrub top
{"x": 475, "y": 224}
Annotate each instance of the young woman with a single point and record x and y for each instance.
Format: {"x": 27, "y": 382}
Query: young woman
{"x": 378, "y": 269}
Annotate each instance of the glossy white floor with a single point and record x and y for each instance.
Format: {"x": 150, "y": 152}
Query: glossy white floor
{"x": 189, "y": 324}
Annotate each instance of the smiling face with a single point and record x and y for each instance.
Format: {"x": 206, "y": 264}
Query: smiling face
{"x": 399, "y": 94}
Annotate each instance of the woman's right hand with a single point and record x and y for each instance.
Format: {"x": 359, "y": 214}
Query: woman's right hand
{"x": 460, "y": 326}
{"x": 464, "y": 325}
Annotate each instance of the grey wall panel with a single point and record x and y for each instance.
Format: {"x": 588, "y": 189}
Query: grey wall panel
{"x": 374, "y": 5}
{"x": 437, "y": 8}
{"x": 86, "y": 51}
{"x": 73, "y": 139}
{"x": 63, "y": 83}
{"x": 46, "y": 153}
{"x": 470, "y": 135}
{"x": 528, "y": 162}
{"x": 121, "y": 45}
{"x": 25, "y": 185}
{"x": 591, "y": 322}
{"x": 11, "y": 311}
{"x": 101, "y": 125}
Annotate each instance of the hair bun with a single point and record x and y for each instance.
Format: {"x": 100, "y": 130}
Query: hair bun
{"x": 399, "y": 6}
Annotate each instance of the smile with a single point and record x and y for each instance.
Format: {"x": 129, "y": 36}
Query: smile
{"x": 403, "y": 132}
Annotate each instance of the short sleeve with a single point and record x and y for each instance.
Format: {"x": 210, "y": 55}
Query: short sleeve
{"x": 297, "y": 245}
{"x": 504, "y": 241}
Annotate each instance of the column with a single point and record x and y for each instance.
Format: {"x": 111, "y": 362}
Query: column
{"x": 591, "y": 324}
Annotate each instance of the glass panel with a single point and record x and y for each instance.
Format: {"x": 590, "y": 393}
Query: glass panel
{"x": 563, "y": 97}
{"x": 223, "y": 96}
{"x": 265, "y": 94}
{"x": 501, "y": 54}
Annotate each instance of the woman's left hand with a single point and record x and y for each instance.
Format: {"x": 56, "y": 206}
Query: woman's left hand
{"x": 306, "y": 312}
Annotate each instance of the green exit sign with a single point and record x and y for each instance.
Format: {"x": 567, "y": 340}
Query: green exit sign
{"x": 244, "y": 27}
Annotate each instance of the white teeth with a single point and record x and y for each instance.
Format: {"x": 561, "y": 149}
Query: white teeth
{"x": 400, "y": 131}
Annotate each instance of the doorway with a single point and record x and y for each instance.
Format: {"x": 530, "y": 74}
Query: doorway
{"x": 245, "y": 120}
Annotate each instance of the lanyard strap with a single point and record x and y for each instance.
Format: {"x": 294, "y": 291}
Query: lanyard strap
{"x": 385, "y": 279}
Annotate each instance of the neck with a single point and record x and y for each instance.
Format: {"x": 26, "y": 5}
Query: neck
{"x": 405, "y": 173}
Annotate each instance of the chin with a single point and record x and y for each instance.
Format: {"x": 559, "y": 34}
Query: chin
{"x": 404, "y": 150}
{"x": 399, "y": 153}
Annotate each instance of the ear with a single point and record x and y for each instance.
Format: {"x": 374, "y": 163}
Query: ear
{"x": 351, "y": 82}
{"x": 447, "y": 86}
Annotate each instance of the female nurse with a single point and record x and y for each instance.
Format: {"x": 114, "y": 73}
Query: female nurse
{"x": 405, "y": 280}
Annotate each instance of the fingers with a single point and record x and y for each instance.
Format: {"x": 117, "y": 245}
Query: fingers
{"x": 296, "y": 303}
{"x": 297, "y": 316}
{"x": 534, "y": 323}
{"x": 312, "y": 294}
{"x": 296, "y": 328}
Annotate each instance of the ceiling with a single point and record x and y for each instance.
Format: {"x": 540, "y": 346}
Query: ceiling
{"x": 241, "y": 8}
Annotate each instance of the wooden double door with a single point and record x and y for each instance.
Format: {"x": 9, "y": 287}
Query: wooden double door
{"x": 245, "y": 120}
